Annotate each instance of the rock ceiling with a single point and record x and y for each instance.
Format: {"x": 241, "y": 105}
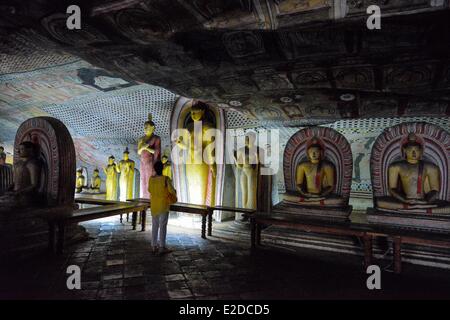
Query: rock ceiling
{"x": 291, "y": 60}
{"x": 277, "y": 62}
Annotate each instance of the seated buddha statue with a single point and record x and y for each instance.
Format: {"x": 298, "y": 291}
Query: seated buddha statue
{"x": 315, "y": 179}
{"x": 80, "y": 181}
{"x": 413, "y": 183}
{"x": 96, "y": 181}
{"x": 2, "y": 155}
{"x": 27, "y": 189}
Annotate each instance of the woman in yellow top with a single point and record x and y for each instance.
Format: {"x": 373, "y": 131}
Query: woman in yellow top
{"x": 159, "y": 188}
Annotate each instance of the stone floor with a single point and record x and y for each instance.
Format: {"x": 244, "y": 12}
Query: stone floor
{"x": 117, "y": 264}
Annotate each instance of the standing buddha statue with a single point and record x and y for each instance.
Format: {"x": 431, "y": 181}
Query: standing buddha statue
{"x": 149, "y": 148}
{"x": 126, "y": 181}
{"x": 111, "y": 172}
{"x": 200, "y": 175}
{"x": 248, "y": 162}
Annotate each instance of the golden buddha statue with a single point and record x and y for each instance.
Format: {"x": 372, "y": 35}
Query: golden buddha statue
{"x": 27, "y": 188}
{"x": 126, "y": 181}
{"x": 315, "y": 178}
{"x": 200, "y": 175}
{"x": 149, "y": 149}
{"x": 167, "y": 169}
{"x": 413, "y": 183}
{"x": 247, "y": 163}
{"x": 111, "y": 172}
{"x": 2, "y": 156}
{"x": 96, "y": 181}
{"x": 80, "y": 181}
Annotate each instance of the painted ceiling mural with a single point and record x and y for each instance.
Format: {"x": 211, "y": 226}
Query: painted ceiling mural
{"x": 290, "y": 62}
{"x": 103, "y": 112}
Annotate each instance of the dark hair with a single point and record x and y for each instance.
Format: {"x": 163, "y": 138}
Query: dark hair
{"x": 159, "y": 168}
{"x": 315, "y": 145}
{"x": 199, "y": 105}
{"x": 30, "y": 145}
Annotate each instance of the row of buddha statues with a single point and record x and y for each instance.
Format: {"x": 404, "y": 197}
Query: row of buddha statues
{"x": 410, "y": 169}
{"x": 81, "y": 181}
{"x": 412, "y": 182}
{"x": 318, "y": 167}
{"x": 120, "y": 178}
{"x": 410, "y": 172}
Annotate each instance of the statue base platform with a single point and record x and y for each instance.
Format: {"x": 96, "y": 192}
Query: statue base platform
{"x": 315, "y": 212}
{"x": 23, "y": 233}
{"x": 415, "y": 221}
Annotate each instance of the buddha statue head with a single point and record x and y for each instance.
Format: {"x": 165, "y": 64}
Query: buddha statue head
{"x": 198, "y": 110}
{"x": 79, "y": 173}
{"x": 250, "y": 139}
{"x": 27, "y": 150}
{"x": 126, "y": 154}
{"x": 149, "y": 126}
{"x": 2, "y": 155}
{"x": 412, "y": 149}
{"x": 95, "y": 173}
{"x": 164, "y": 159}
{"x": 315, "y": 151}
{"x": 111, "y": 160}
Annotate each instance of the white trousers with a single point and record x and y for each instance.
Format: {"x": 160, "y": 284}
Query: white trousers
{"x": 159, "y": 225}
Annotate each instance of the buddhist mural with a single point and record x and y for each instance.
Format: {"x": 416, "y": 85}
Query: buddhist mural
{"x": 410, "y": 176}
{"x": 200, "y": 179}
{"x": 317, "y": 169}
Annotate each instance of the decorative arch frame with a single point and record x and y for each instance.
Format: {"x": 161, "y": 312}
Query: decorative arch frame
{"x": 337, "y": 151}
{"x": 388, "y": 149}
{"x": 57, "y": 151}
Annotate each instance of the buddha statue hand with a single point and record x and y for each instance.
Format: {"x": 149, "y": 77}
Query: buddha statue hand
{"x": 313, "y": 198}
{"x": 415, "y": 201}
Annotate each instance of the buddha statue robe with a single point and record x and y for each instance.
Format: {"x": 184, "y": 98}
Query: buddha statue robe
{"x": 126, "y": 180}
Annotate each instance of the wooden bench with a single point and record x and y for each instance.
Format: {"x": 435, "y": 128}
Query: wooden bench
{"x": 366, "y": 231}
{"x": 202, "y": 210}
{"x": 245, "y": 211}
{"x": 400, "y": 236}
{"x": 340, "y": 228}
{"x": 76, "y": 216}
{"x": 103, "y": 202}
{"x": 143, "y": 214}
